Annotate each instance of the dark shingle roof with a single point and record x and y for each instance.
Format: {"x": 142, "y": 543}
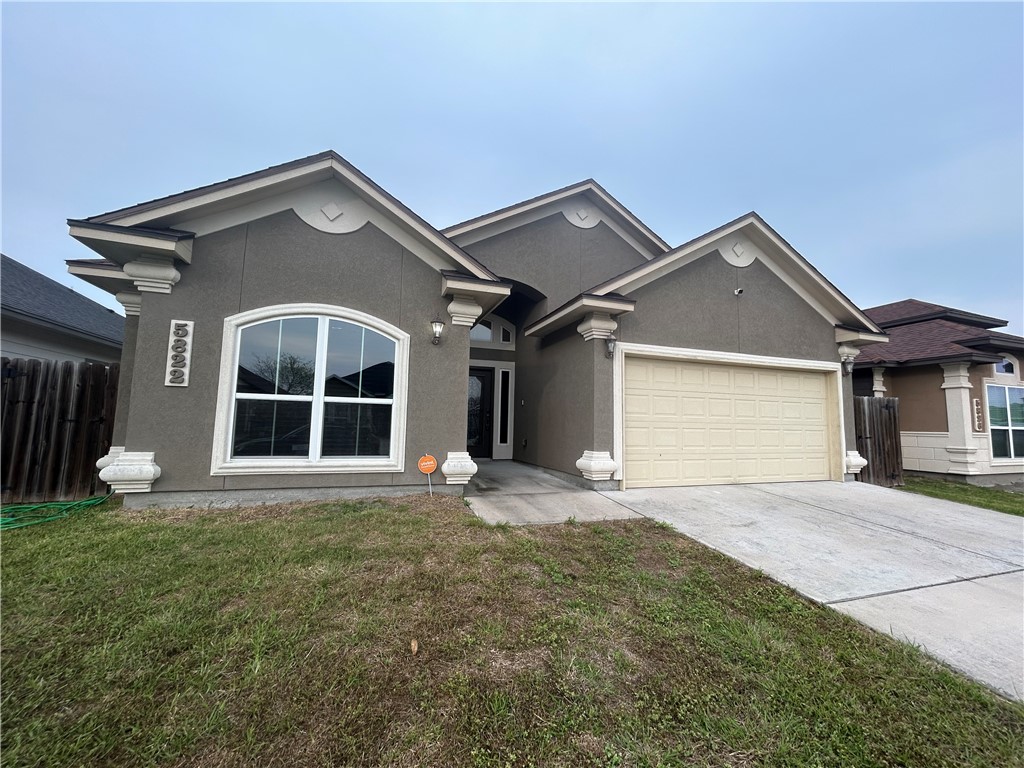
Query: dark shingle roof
{"x": 28, "y": 293}
{"x": 921, "y": 332}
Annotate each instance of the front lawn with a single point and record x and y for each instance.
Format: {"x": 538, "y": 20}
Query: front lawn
{"x": 988, "y": 498}
{"x": 284, "y": 637}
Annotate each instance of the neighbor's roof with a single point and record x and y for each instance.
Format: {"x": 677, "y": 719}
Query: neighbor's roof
{"x": 36, "y": 297}
{"x": 915, "y": 311}
{"x": 921, "y": 332}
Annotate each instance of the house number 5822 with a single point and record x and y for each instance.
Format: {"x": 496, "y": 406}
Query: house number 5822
{"x": 179, "y": 353}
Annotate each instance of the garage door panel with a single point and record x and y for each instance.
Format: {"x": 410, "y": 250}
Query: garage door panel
{"x": 695, "y": 423}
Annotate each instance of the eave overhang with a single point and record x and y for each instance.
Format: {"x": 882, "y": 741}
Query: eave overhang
{"x": 122, "y": 244}
{"x": 855, "y": 338}
{"x": 105, "y": 275}
{"x": 487, "y": 293}
{"x": 970, "y": 357}
{"x": 993, "y": 343}
{"x": 953, "y": 315}
{"x": 578, "y": 308}
{"x": 74, "y": 331}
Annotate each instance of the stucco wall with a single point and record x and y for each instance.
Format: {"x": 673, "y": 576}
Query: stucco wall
{"x": 279, "y": 260}
{"x": 922, "y": 399}
{"x": 556, "y": 258}
{"x": 124, "y": 382}
{"x": 554, "y": 409}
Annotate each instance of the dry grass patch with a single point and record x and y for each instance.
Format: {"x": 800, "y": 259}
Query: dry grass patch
{"x": 282, "y": 637}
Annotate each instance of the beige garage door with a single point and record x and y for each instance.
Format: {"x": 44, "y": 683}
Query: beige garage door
{"x": 703, "y": 424}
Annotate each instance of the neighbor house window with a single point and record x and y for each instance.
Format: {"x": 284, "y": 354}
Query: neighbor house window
{"x": 1006, "y": 366}
{"x": 1006, "y": 421}
{"x": 312, "y": 392}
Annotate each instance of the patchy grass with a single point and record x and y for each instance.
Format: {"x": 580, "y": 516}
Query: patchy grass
{"x": 282, "y": 637}
{"x": 988, "y": 498}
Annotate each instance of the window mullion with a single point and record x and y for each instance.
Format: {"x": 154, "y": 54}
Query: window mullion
{"x": 319, "y": 376}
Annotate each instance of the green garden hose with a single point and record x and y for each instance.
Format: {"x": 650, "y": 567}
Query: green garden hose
{"x": 20, "y": 515}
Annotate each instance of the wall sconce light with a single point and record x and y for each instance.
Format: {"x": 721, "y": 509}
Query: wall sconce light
{"x": 437, "y": 326}
{"x": 847, "y": 366}
{"x": 610, "y": 344}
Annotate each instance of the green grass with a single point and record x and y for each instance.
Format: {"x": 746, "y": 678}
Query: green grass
{"x": 282, "y": 637}
{"x": 987, "y": 498}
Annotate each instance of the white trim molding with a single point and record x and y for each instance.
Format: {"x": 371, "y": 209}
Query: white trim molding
{"x": 131, "y": 301}
{"x": 464, "y": 310}
{"x": 112, "y": 454}
{"x": 222, "y": 463}
{"x": 878, "y": 382}
{"x": 597, "y": 325}
{"x": 838, "y": 454}
{"x": 458, "y": 468}
{"x": 597, "y": 465}
{"x": 131, "y": 472}
{"x": 854, "y": 463}
{"x": 577, "y": 309}
{"x": 152, "y": 274}
{"x": 500, "y": 450}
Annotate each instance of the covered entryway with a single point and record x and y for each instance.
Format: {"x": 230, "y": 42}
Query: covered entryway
{"x": 701, "y": 423}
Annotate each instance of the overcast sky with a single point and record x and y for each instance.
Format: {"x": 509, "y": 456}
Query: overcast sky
{"x": 885, "y": 142}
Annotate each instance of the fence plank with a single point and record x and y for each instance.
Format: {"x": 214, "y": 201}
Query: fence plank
{"x": 878, "y": 440}
{"x": 57, "y": 421}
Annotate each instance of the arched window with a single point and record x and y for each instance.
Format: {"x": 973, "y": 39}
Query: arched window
{"x": 1006, "y": 366}
{"x": 493, "y": 332}
{"x": 311, "y": 388}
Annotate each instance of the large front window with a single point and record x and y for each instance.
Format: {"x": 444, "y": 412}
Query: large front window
{"x": 313, "y": 393}
{"x": 1006, "y": 421}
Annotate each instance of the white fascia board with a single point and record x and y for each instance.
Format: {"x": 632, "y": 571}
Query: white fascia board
{"x": 451, "y": 285}
{"x": 859, "y": 338}
{"x": 96, "y": 239}
{"x": 216, "y": 196}
{"x": 80, "y": 270}
{"x": 438, "y": 241}
{"x": 575, "y": 311}
{"x": 294, "y": 177}
{"x": 819, "y": 282}
{"x": 651, "y": 272}
{"x": 547, "y": 205}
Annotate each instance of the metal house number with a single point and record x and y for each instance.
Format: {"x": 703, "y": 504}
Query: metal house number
{"x": 179, "y": 353}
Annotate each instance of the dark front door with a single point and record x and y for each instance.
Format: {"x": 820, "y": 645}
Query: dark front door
{"x": 481, "y": 412}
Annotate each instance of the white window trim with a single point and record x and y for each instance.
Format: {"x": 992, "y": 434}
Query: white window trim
{"x": 837, "y": 450}
{"x": 1009, "y": 379}
{"x": 497, "y": 324}
{"x": 223, "y": 464}
{"x": 1001, "y": 380}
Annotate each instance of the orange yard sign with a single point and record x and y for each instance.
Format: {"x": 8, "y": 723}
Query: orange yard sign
{"x": 427, "y": 464}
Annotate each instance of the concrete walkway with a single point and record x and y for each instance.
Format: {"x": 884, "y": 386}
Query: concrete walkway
{"x": 941, "y": 575}
{"x": 509, "y": 492}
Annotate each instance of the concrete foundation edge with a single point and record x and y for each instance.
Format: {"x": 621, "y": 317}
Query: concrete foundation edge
{"x": 1008, "y": 481}
{"x": 579, "y": 480}
{"x": 245, "y": 498}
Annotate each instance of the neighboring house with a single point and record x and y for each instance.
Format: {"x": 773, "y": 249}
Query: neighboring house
{"x": 41, "y": 319}
{"x": 960, "y": 387}
{"x": 281, "y": 343}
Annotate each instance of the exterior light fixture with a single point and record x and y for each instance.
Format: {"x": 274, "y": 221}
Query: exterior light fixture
{"x": 437, "y": 325}
{"x": 847, "y": 366}
{"x": 610, "y": 344}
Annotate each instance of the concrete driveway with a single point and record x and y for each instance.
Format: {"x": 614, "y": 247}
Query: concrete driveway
{"x": 941, "y": 575}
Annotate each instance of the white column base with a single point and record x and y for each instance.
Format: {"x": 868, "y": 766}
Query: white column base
{"x": 597, "y": 465}
{"x": 855, "y": 463}
{"x": 131, "y": 472}
{"x": 458, "y": 468}
{"x": 112, "y": 454}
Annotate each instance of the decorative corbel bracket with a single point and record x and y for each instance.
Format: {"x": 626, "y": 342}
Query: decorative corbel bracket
{"x": 597, "y": 325}
{"x": 131, "y": 301}
{"x": 472, "y": 297}
{"x": 152, "y": 273}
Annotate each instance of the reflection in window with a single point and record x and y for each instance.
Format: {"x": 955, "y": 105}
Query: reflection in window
{"x": 1006, "y": 366}
{"x": 312, "y": 387}
{"x": 1006, "y": 421}
{"x": 481, "y": 331}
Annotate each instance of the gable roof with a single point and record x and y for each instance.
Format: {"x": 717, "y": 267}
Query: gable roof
{"x": 647, "y": 238}
{"x": 921, "y": 333}
{"x": 746, "y": 233}
{"x": 36, "y": 297}
{"x": 157, "y": 215}
{"x": 915, "y": 311}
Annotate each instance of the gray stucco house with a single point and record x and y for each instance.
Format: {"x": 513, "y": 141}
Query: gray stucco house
{"x": 298, "y": 331}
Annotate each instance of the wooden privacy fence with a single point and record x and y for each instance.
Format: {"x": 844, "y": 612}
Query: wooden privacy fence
{"x": 57, "y": 420}
{"x": 877, "y": 420}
